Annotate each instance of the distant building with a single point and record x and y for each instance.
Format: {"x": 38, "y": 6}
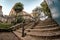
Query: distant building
{"x": 38, "y": 14}
{"x": 12, "y": 13}
{"x": 22, "y": 13}
{"x": 6, "y": 19}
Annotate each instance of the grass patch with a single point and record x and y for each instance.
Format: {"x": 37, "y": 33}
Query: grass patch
{"x": 5, "y": 25}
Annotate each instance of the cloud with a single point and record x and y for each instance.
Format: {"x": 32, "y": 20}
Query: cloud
{"x": 43, "y": 16}
{"x": 55, "y": 13}
{"x": 54, "y": 6}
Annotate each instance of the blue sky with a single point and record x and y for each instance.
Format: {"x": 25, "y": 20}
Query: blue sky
{"x": 29, "y": 5}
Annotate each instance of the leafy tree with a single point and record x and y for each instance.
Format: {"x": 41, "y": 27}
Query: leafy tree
{"x": 46, "y": 9}
{"x": 18, "y": 7}
{"x": 36, "y": 13}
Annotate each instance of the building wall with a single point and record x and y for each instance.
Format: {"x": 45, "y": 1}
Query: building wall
{"x": 54, "y": 6}
{"x": 12, "y": 13}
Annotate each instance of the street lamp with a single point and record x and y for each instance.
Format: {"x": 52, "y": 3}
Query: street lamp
{"x": 23, "y": 34}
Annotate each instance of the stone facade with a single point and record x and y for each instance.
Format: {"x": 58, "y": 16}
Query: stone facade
{"x": 6, "y": 19}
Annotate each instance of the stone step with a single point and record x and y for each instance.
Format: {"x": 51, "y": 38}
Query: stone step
{"x": 20, "y": 30}
{"x": 29, "y": 25}
{"x": 46, "y": 23}
{"x": 43, "y": 24}
{"x": 44, "y": 33}
{"x": 46, "y": 26}
{"x": 49, "y": 21}
{"x": 43, "y": 30}
{"x": 23, "y": 38}
{"x": 18, "y": 34}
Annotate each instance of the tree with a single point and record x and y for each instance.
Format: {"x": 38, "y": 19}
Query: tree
{"x": 18, "y": 7}
{"x": 36, "y": 13}
{"x": 46, "y": 9}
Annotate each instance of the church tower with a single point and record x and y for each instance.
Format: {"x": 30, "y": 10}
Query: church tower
{"x": 1, "y": 13}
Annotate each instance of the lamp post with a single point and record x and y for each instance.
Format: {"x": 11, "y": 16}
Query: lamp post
{"x": 23, "y": 34}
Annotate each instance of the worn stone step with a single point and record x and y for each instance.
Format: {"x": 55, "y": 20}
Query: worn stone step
{"x": 23, "y": 38}
{"x": 43, "y": 30}
{"x": 43, "y": 24}
{"x": 20, "y": 30}
{"x": 18, "y": 34}
{"x": 44, "y": 33}
{"x": 46, "y": 26}
{"x": 29, "y": 25}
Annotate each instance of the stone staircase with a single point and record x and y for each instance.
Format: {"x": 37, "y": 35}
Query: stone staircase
{"x": 29, "y": 25}
{"x": 46, "y": 26}
{"x": 19, "y": 34}
{"x": 43, "y": 30}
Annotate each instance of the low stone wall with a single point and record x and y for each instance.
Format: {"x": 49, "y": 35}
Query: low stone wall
{"x": 5, "y": 30}
{"x": 12, "y": 28}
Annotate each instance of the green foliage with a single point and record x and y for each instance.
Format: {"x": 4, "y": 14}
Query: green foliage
{"x": 20, "y": 19}
{"x": 5, "y": 25}
{"x": 18, "y": 7}
{"x": 46, "y": 9}
{"x": 13, "y": 22}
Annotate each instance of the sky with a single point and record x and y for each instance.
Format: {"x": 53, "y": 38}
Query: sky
{"x": 29, "y": 5}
